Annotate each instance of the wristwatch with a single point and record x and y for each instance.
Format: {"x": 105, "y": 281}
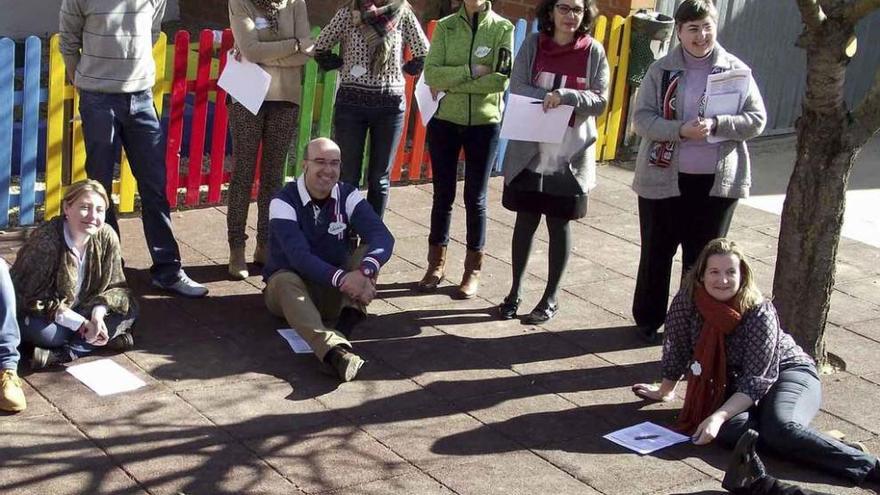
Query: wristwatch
{"x": 368, "y": 271}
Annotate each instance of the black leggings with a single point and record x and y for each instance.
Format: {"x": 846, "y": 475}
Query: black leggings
{"x": 560, "y": 246}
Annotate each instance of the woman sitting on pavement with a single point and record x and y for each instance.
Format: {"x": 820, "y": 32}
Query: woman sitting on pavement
{"x": 743, "y": 370}
{"x": 70, "y": 290}
{"x": 561, "y": 65}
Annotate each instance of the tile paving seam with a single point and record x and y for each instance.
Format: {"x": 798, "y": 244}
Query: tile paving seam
{"x": 240, "y": 442}
{"x": 860, "y": 334}
{"x": 572, "y": 476}
{"x": 399, "y": 455}
{"x": 840, "y": 288}
{"x": 97, "y": 445}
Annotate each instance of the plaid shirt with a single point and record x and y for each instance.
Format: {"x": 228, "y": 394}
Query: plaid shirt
{"x": 757, "y": 350}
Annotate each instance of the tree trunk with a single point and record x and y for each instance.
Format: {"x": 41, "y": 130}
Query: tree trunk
{"x": 813, "y": 212}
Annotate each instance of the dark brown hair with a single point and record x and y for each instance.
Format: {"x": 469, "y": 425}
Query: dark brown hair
{"x": 694, "y": 10}
{"x": 544, "y": 14}
{"x": 748, "y": 296}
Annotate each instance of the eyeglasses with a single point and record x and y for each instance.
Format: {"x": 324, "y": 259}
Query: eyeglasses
{"x": 321, "y": 162}
{"x": 568, "y": 9}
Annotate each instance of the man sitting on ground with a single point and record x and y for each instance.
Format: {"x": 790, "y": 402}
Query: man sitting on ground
{"x": 312, "y": 276}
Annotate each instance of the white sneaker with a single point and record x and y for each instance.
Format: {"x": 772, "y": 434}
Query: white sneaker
{"x": 184, "y": 286}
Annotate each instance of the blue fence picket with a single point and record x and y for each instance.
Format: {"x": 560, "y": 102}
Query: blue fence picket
{"x": 519, "y": 35}
{"x": 7, "y": 101}
{"x": 30, "y": 124}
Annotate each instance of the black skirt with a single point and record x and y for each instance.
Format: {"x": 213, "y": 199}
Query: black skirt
{"x": 556, "y": 195}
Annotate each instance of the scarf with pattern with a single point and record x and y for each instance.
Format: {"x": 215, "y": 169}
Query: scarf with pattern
{"x": 376, "y": 23}
{"x": 270, "y": 8}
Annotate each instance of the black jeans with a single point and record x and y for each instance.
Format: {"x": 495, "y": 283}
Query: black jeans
{"x": 445, "y": 141}
{"x": 351, "y": 123}
{"x": 132, "y": 118}
{"x": 783, "y": 419}
{"x": 690, "y": 220}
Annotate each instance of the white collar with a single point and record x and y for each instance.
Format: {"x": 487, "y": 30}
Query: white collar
{"x": 304, "y": 195}
{"x": 68, "y": 239}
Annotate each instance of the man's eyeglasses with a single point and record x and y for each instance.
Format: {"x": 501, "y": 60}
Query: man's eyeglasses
{"x": 321, "y": 162}
{"x": 568, "y": 9}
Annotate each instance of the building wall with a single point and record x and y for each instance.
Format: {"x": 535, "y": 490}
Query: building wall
{"x": 213, "y": 13}
{"x": 763, "y": 34}
{"x": 22, "y": 18}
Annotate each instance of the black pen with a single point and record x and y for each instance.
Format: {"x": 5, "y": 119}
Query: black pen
{"x": 536, "y": 102}
{"x": 647, "y": 437}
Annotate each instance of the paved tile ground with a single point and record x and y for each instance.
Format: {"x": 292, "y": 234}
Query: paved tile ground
{"x": 451, "y": 400}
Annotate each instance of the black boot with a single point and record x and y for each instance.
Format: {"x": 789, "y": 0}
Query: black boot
{"x": 49, "y": 358}
{"x": 745, "y": 467}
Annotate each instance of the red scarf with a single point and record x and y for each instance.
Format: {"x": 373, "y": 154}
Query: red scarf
{"x": 562, "y": 66}
{"x": 707, "y": 380}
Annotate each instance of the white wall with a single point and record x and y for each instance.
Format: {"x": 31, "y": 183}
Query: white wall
{"x": 22, "y": 18}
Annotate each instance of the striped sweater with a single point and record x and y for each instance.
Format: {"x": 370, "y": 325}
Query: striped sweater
{"x": 108, "y": 44}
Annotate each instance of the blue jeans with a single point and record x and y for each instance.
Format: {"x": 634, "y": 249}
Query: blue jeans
{"x": 351, "y": 123}
{"x": 783, "y": 419}
{"x": 49, "y": 335}
{"x": 131, "y": 118}
{"x": 445, "y": 141}
{"x": 9, "y": 333}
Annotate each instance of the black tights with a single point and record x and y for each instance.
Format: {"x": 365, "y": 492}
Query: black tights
{"x": 560, "y": 246}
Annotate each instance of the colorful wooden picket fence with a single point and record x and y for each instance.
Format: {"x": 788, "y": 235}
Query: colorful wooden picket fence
{"x": 200, "y": 178}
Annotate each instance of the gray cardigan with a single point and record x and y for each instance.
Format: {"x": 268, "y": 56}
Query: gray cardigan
{"x": 587, "y": 105}
{"x": 732, "y": 172}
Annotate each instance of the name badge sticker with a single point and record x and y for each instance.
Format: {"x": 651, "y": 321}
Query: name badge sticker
{"x": 358, "y": 70}
{"x": 482, "y": 51}
{"x": 261, "y": 23}
{"x": 336, "y": 228}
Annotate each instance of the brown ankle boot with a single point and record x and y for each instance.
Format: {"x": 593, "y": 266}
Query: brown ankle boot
{"x": 261, "y": 254}
{"x": 436, "y": 267}
{"x": 470, "y": 282}
{"x": 238, "y": 269}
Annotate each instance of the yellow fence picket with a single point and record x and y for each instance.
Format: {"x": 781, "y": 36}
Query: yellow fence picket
{"x": 620, "y": 32}
{"x": 54, "y": 129}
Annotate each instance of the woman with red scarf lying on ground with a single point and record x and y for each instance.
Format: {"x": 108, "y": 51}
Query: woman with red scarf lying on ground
{"x": 743, "y": 370}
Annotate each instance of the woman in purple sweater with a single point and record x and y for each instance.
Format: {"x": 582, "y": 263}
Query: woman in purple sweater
{"x": 688, "y": 181}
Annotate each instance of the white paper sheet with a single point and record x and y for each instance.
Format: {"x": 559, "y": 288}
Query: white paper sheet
{"x": 725, "y": 94}
{"x": 646, "y": 437}
{"x": 427, "y": 105}
{"x": 731, "y": 81}
{"x": 245, "y": 81}
{"x": 296, "y": 342}
{"x": 525, "y": 120}
{"x": 106, "y": 377}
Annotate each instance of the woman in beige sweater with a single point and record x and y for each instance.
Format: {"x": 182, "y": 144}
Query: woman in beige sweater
{"x": 276, "y": 35}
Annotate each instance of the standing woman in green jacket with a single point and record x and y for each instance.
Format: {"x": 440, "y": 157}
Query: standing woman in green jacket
{"x": 469, "y": 59}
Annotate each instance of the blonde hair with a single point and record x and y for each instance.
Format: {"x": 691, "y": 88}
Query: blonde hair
{"x": 77, "y": 189}
{"x": 748, "y": 296}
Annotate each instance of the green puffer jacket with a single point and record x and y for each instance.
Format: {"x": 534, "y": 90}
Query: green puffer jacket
{"x": 455, "y": 46}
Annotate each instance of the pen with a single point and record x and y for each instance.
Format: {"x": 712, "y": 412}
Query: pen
{"x": 647, "y": 437}
{"x": 536, "y": 102}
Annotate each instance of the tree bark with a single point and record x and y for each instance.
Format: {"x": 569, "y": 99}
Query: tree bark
{"x": 829, "y": 138}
